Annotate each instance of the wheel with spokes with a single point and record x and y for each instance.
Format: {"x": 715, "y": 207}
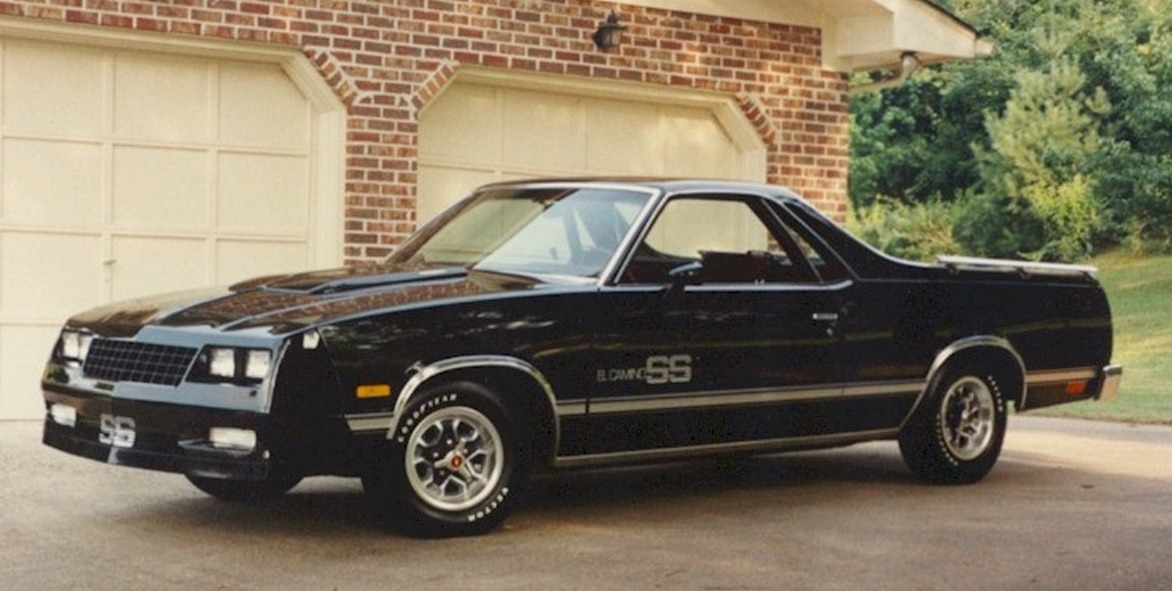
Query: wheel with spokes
{"x": 955, "y": 436}
{"x": 454, "y": 466}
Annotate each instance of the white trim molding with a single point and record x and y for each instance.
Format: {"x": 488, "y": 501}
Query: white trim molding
{"x": 857, "y": 35}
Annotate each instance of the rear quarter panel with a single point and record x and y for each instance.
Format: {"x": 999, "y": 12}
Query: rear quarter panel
{"x": 901, "y": 325}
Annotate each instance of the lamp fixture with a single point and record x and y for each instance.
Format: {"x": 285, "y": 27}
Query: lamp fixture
{"x": 610, "y": 33}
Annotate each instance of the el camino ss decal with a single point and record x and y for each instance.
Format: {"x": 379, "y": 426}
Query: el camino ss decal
{"x": 659, "y": 370}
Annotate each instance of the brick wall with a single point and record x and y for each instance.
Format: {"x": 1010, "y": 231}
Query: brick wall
{"x": 386, "y": 59}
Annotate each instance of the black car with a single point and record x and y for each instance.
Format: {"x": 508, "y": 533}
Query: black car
{"x": 559, "y": 324}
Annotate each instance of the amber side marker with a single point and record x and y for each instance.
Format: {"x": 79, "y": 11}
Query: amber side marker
{"x": 1076, "y": 388}
{"x": 373, "y": 391}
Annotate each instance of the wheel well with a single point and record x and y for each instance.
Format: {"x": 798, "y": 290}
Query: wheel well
{"x": 525, "y": 400}
{"x": 1007, "y": 368}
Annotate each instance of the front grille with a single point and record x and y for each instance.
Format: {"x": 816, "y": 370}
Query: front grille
{"x": 126, "y": 361}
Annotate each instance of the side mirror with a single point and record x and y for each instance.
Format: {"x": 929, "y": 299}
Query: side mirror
{"x": 686, "y": 274}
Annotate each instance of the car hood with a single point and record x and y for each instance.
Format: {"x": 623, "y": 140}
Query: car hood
{"x": 286, "y": 303}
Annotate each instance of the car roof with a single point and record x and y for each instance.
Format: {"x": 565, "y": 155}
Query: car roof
{"x": 658, "y": 184}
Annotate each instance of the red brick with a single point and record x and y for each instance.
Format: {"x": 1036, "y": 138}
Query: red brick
{"x": 111, "y": 20}
{"x": 76, "y": 16}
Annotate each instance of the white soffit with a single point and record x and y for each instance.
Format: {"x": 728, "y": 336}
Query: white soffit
{"x": 857, "y": 35}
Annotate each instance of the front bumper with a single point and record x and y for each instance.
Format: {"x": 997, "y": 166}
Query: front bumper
{"x": 157, "y": 436}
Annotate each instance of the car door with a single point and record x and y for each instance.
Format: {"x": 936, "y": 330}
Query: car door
{"x": 717, "y": 332}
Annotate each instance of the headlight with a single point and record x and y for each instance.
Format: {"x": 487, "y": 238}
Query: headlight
{"x": 75, "y": 345}
{"x": 233, "y": 365}
{"x": 256, "y": 364}
{"x": 222, "y": 363}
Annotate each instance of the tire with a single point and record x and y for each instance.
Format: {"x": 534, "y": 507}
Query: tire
{"x": 247, "y": 491}
{"x": 955, "y": 435}
{"x": 454, "y": 466}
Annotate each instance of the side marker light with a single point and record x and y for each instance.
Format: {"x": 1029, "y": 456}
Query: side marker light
{"x": 373, "y": 391}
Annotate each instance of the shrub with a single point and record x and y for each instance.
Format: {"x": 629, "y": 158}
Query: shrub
{"x": 992, "y": 225}
{"x": 913, "y": 231}
{"x": 1136, "y": 190}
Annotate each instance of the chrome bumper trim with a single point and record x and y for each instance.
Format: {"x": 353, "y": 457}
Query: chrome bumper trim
{"x": 1109, "y": 386}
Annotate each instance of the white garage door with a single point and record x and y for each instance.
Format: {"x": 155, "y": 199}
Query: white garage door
{"x": 478, "y": 132}
{"x": 124, "y": 173}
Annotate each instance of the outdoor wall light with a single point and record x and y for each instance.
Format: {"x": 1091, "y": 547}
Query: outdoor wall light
{"x": 610, "y": 33}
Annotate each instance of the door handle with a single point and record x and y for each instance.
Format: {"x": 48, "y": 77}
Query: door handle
{"x": 828, "y": 318}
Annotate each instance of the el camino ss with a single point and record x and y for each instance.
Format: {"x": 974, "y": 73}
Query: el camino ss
{"x": 558, "y": 324}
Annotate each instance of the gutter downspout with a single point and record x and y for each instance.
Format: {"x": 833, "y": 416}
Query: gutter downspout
{"x": 909, "y": 64}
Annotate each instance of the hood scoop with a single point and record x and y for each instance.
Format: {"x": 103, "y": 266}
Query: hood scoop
{"x": 384, "y": 280}
{"x": 350, "y": 279}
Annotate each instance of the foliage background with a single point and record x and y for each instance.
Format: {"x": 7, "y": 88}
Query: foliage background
{"x": 1056, "y": 147}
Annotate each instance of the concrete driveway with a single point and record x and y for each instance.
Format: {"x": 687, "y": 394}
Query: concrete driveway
{"x": 1072, "y": 505}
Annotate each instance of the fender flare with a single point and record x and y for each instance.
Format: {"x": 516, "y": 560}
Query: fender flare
{"x": 422, "y": 374}
{"x": 966, "y": 344}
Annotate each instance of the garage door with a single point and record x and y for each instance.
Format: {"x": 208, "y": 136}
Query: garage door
{"x": 125, "y": 173}
{"x": 478, "y": 132}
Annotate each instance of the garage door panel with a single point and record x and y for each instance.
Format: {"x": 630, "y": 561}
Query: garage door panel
{"x": 175, "y": 111}
{"x": 158, "y": 188}
{"x": 263, "y": 194}
{"x": 546, "y": 131}
{"x": 260, "y": 107}
{"x": 53, "y": 89}
{"x": 240, "y": 260}
{"x": 52, "y": 182}
{"x": 143, "y": 266}
{"x": 48, "y": 276}
{"x": 624, "y": 138}
{"x": 440, "y": 187}
{"x": 126, "y": 172}
{"x": 23, "y": 351}
{"x": 699, "y": 145}
{"x": 564, "y": 133}
{"x": 463, "y": 127}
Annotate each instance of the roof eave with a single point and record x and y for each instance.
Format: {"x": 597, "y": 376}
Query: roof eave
{"x": 857, "y": 35}
{"x": 879, "y": 40}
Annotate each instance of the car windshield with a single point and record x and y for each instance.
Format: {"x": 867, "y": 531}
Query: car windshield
{"x": 535, "y": 231}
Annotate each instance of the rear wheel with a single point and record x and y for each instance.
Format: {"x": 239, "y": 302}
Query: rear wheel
{"x": 247, "y": 491}
{"x": 955, "y": 436}
{"x": 454, "y": 466}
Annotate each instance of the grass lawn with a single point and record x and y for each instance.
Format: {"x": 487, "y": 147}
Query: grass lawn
{"x": 1140, "y": 290}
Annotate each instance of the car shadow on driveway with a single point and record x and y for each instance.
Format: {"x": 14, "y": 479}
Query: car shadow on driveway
{"x": 871, "y": 473}
{"x": 668, "y": 482}
{"x": 645, "y": 493}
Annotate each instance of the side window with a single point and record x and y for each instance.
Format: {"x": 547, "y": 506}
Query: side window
{"x": 686, "y": 228}
{"x": 827, "y": 266}
{"x": 734, "y": 239}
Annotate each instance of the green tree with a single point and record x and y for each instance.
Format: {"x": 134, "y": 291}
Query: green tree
{"x": 1135, "y": 167}
{"x": 1038, "y": 164}
{"x": 914, "y": 142}
{"x": 1059, "y": 142}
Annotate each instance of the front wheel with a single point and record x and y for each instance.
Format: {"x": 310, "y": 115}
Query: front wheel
{"x": 955, "y": 436}
{"x": 454, "y": 466}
